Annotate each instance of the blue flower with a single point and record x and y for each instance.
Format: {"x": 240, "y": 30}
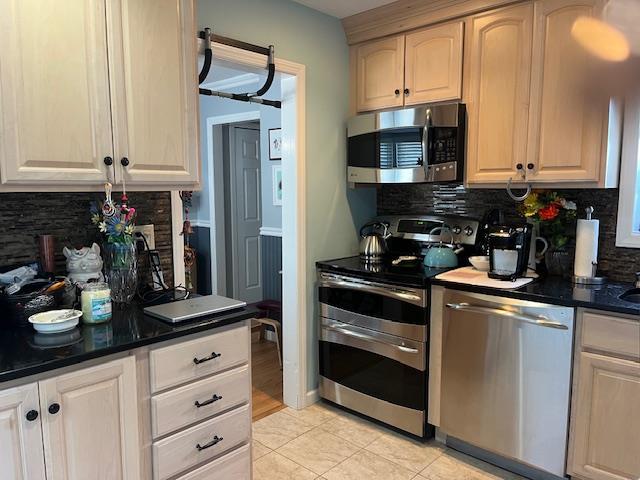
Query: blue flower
{"x": 116, "y": 226}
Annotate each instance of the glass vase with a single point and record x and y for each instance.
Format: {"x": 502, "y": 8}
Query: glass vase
{"x": 559, "y": 263}
{"x": 121, "y": 270}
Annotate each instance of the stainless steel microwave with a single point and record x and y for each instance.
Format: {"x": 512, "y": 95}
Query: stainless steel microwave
{"x": 424, "y": 144}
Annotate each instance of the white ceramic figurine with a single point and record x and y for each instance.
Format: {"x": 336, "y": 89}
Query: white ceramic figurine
{"x": 84, "y": 264}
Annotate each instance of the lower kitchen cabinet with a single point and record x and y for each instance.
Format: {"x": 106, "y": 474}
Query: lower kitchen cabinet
{"x": 605, "y": 424}
{"x": 78, "y": 425}
{"x": 92, "y": 414}
{"x": 21, "y": 452}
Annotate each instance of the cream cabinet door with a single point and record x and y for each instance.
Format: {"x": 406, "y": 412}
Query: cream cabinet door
{"x": 90, "y": 425}
{"x": 606, "y": 419}
{"x": 155, "y": 90}
{"x": 55, "y": 116}
{"x": 380, "y": 74}
{"x": 498, "y": 93}
{"x": 21, "y": 453}
{"x": 568, "y": 112}
{"x": 433, "y": 64}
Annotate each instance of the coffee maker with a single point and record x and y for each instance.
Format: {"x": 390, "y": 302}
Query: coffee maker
{"x": 509, "y": 251}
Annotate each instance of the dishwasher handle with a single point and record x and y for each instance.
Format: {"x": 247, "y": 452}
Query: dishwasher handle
{"x": 522, "y": 317}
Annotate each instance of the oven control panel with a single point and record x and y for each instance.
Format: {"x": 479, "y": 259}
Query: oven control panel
{"x": 433, "y": 228}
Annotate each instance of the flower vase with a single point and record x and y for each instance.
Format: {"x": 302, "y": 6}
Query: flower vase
{"x": 559, "y": 262}
{"x": 121, "y": 270}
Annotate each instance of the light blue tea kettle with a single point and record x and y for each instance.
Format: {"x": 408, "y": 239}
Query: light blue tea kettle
{"x": 441, "y": 255}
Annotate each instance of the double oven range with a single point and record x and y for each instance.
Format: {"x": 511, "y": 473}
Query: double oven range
{"x": 374, "y": 326}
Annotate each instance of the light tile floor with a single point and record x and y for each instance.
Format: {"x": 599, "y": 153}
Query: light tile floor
{"x": 322, "y": 442}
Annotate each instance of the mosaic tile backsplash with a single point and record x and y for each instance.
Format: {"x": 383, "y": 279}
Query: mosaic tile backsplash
{"x": 616, "y": 263}
{"x": 24, "y": 216}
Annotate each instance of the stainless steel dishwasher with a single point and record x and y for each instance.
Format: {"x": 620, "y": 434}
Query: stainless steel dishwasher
{"x": 506, "y": 378}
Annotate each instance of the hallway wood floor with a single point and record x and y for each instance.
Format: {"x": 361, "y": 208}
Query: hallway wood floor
{"x": 266, "y": 377}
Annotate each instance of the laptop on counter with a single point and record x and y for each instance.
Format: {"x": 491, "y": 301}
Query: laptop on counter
{"x": 183, "y": 310}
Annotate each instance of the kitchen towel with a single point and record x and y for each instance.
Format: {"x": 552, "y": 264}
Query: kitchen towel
{"x": 586, "y": 248}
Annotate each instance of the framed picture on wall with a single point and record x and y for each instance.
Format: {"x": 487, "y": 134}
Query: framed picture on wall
{"x": 277, "y": 184}
{"x": 275, "y": 144}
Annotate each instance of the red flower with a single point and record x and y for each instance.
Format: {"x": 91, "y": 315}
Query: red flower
{"x": 549, "y": 212}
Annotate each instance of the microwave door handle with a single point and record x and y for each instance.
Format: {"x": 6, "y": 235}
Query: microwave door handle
{"x": 425, "y": 141}
{"x": 539, "y": 321}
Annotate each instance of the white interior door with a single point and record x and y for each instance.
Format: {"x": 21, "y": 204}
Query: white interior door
{"x": 246, "y": 214}
{"x": 21, "y": 454}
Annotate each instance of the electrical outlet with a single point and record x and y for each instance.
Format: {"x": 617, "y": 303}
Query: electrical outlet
{"x": 149, "y": 233}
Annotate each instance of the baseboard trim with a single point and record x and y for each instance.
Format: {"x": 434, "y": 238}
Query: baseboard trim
{"x": 312, "y": 397}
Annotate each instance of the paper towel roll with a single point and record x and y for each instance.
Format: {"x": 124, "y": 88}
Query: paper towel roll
{"x": 586, "y": 247}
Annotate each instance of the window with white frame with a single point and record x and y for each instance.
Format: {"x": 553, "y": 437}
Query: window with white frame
{"x": 628, "y": 231}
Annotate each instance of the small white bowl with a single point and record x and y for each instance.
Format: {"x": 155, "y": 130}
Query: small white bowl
{"x": 480, "y": 263}
{"x": 55, "y": 321}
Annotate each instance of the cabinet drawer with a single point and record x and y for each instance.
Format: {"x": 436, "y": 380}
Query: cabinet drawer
{"x": 179, "y": 452}
{"x": 183, "y": 362}
{"x": 177, "y": 408}
{"x": 615, "y": 335}
{"x": 235, "y": 465}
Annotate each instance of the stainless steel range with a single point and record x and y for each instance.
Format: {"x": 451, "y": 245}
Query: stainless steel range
{"x": 374, "y": 322}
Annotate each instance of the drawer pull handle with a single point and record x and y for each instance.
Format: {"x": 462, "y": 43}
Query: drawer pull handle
{"x": 213, "y": 399}
{"x": 213, "y": 355}
{"x": 216, "y": 440}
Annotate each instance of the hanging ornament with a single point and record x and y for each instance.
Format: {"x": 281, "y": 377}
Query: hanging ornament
{"x": 108, "y": 207}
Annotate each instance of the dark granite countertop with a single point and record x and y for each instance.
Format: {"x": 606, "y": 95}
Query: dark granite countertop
{"x": 552, "y": 290}
{"x": 25, "y": 352}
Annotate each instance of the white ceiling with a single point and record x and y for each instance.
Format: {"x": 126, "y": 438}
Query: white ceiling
{"x": 343, "y": 8}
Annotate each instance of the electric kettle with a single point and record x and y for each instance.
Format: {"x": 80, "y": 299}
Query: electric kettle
{"x": 373, "y": 241}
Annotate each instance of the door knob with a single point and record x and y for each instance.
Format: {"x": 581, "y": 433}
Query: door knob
{"x": 32, "y": 415}
{"x": 54, "y": 408}
{"x": 519, "y": 166}
{"x": 397, "y": 91}
{"x": 530, "y": 166}
{"x": 406, "y": 91}
{"x": 124, "y": 162}
{"x": 108, "y": 161}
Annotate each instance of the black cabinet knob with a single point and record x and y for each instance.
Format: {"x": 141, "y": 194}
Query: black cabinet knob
{"x": 397, "y": 91}
{"x": 124, "y": 162}
{"x": 530, "y": 166}
{"x": 108, "y": 161}
{"x": 54, "y": 408}
{"x": 32, "y": 415}
{"x": 406, "y": 91}
{"x": 519, "y": 166}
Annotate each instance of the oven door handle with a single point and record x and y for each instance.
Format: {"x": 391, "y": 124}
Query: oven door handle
{"x": 387, "y": 291}
{"x": 522, "y": 317}
{"x": 369, "y": 338}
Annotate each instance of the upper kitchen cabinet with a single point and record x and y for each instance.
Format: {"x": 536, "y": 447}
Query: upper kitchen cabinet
{"x": 379, "y": 74}
{"x": 433, "y": 64}
{"x": 420, "y": 67}
{"x": 55, "y": 116}
{"x": 155, "y": 90}
{"x": 499, "y": 63}
{"x": 568, "y": 114}
{"x": 84, "y": 84}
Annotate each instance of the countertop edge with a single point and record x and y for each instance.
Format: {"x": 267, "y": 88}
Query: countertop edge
{"x": 186, "y": 330}
{"x": 519, "y": 294}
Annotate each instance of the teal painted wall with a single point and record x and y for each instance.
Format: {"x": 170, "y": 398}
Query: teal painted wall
{"x": 316, "y": 40}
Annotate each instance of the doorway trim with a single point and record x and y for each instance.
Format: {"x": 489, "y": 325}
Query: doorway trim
{"x": 294, "y": 266}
